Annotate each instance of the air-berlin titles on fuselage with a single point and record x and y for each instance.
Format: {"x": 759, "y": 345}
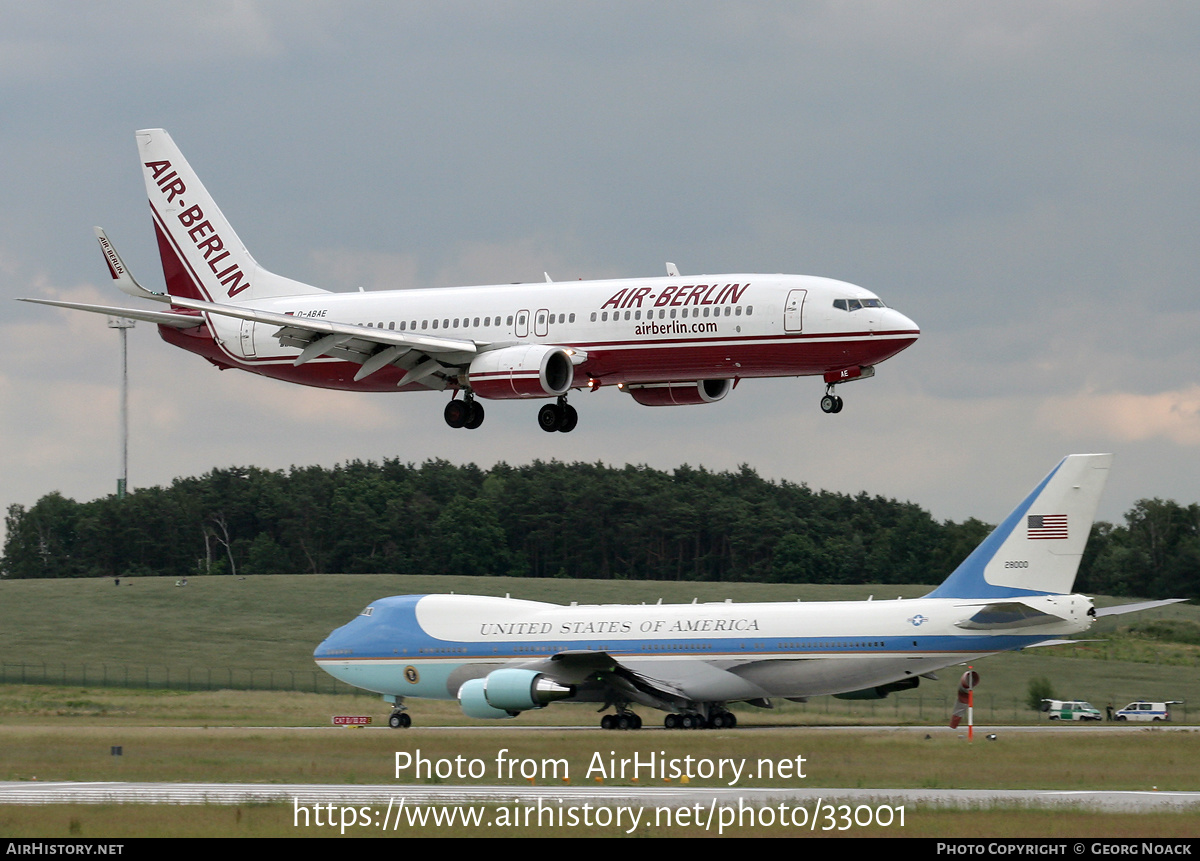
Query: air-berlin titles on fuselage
{"x": 677, "y": 296}
{"x": 199, "y": 230}
{"x": 648, "y": 626}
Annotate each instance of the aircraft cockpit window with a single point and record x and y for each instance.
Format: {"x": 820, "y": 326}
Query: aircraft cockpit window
{"x": 857, "y": 304}
{"x": 367, "y": 612}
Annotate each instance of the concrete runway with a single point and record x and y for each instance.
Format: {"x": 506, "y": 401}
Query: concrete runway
{"x": 29, "y": 792}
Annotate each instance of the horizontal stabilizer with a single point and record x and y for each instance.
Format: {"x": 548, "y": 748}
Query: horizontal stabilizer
{"x": 1059, "y": 642}
{"x": 1122, "y": 609}
{"x": 160, "y": 318}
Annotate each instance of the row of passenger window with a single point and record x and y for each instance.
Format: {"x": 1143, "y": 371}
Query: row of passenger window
{"x": 488, "y": 322}
{"x": 465, "y": 322}
{"x": 734, "y": 310}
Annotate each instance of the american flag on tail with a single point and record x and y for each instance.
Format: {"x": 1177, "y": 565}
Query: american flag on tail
{"x": 1046, "y": 526}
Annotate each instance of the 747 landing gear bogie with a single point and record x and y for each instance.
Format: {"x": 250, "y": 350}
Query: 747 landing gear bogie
{"x": 717, "y": 719}
{"x": 467, "y": 413}
{"x": 559, "y": 416}
{"x": 621, "y": 720}
{"x": 831, "y": 403}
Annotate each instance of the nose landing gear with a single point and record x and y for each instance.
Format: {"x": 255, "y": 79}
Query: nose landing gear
{"x": 831, "y": 403}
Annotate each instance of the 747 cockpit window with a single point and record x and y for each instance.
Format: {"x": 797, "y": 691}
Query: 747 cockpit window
{"x": 367, "y": 612}
{"x": 856, "y": 304}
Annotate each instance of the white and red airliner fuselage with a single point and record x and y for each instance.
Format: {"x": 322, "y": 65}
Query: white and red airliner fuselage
{"x": 633, "y": 331}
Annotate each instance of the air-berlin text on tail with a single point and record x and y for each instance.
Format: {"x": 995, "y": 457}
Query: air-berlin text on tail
{"x": 676, "y": 296}
{"x": 199, "y": 230}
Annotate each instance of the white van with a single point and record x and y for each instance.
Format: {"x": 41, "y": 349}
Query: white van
{"x": 1070, "y": 710}
{"x": 1142, "y": 710}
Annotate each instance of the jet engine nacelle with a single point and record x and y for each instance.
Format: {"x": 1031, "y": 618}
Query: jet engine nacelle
{"x": 506, "y": 693}
{"x": 680, "y": 394}
{"x": 524, "y": 371}
{"x": 472, "y": 699}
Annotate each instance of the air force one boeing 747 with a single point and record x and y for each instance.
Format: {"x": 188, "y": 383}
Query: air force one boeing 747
{"x": 499, "y": 657}
{"x": 665, "y": 341}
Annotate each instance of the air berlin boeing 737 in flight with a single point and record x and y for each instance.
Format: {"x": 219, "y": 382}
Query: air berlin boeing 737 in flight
{"x": 665, "y": 341}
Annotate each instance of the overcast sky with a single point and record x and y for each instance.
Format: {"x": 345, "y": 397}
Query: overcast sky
{"x": 1020, "y": 178}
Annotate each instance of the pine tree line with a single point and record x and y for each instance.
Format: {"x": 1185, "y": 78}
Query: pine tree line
{"x": 551, "y": 519}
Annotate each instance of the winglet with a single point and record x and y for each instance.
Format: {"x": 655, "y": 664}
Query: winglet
{"x": 121, "y": 276}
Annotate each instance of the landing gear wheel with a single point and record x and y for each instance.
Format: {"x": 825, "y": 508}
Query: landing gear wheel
{"x": 828, "y": 404}
{"x": 671, "y": 721}
{"x": 608, "y": 722}
{"x": 570, "y": 418}
{"x": 837, "y": 407}
{"x": 399, "y": 720}
{"x": 550, "y": 418}
{"x": 457, "y": 412}
{"x": 475, "y": 416}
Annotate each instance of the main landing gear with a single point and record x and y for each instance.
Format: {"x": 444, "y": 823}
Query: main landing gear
{"x": 559, "y": 416}
{"x": 621, "y": 720}
{"x": 831, "y": 403}
{"x": 467, "y": 413}
{"x": 716, "y": 720}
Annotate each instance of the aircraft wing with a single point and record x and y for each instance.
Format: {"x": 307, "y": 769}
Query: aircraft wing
{"x": 600, "y": 669}
{"x": 160, "y": 318}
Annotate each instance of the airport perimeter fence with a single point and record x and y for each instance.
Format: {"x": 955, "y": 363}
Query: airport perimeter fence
{"x": 908, "y": 707}
{"x": 105, "y": 675}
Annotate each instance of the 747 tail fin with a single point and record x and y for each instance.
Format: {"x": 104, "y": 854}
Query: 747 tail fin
{"x": 1037, "y": 549}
